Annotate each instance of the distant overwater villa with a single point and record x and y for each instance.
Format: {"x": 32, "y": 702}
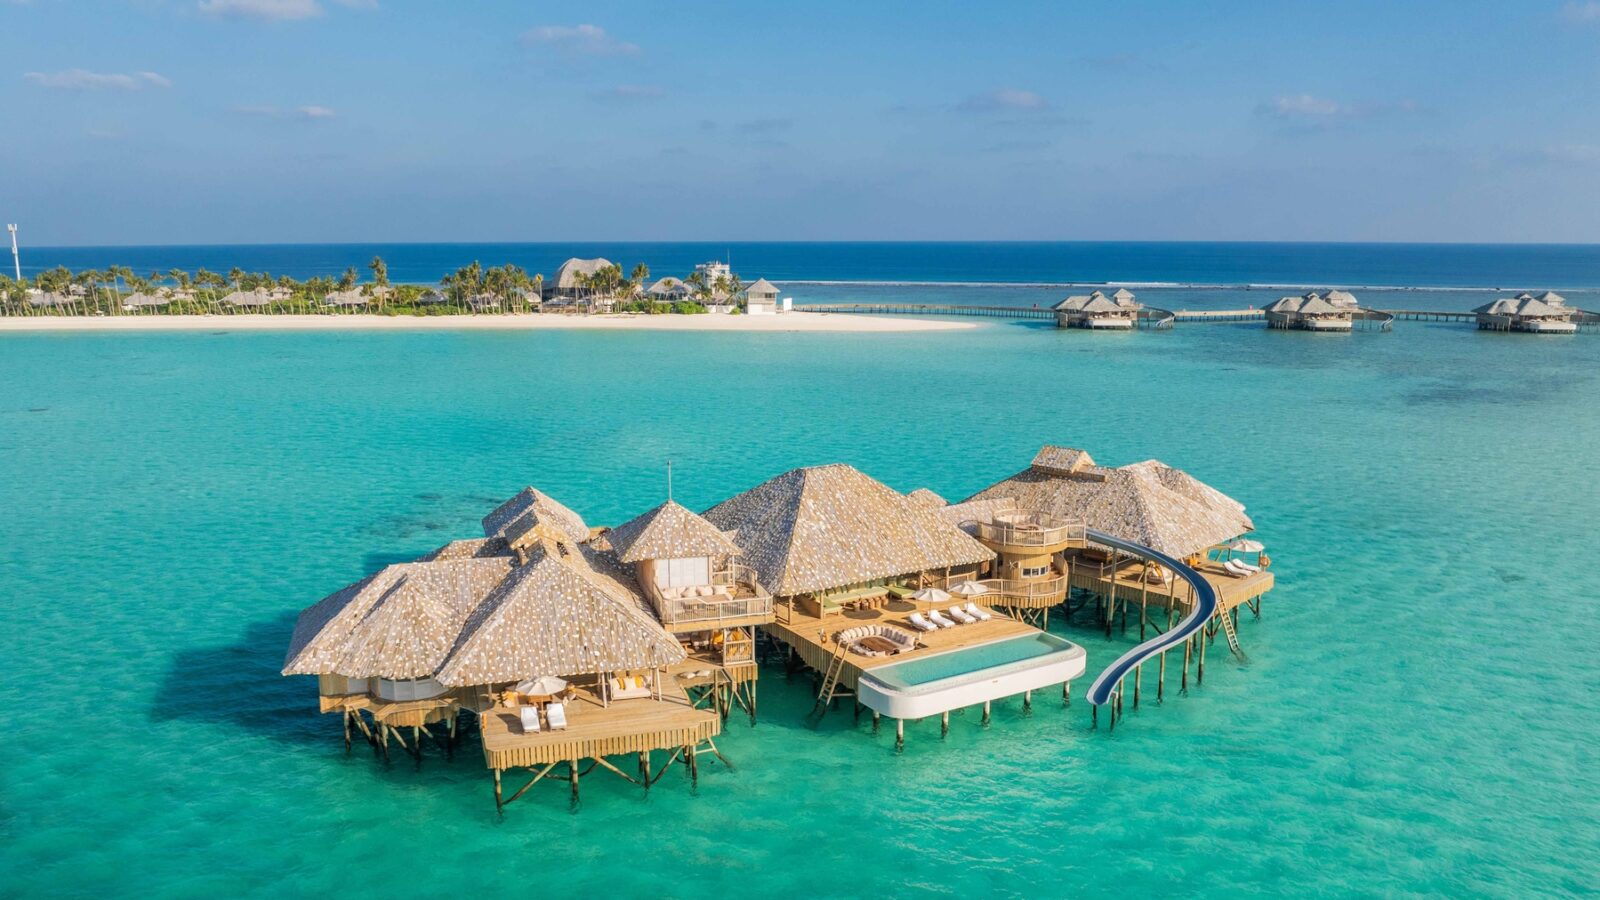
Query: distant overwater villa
{"x": 574, "y": 648}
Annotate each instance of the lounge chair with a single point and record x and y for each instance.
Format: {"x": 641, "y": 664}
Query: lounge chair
{"x": 960, "y": 615}
{"x": 1243, "y": 570}
{"x": 978, "y": 612}
{"x": 939, "y": 620}
{"x": 530, "y": 720}
{"x": 924, "y": 624}
{"x": 557, "y": 714}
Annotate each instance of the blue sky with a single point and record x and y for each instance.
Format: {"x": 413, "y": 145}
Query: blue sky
{"x": 172, "y": 121}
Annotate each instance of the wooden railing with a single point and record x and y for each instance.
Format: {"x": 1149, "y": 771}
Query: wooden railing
{"x": 1028, "y": 530}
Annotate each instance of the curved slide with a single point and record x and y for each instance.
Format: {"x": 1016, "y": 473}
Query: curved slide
{"x": 1205, "y": 605}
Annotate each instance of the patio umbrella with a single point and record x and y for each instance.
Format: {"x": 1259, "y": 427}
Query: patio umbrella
{"x": 544, "y": 685}
{"x": 970, "y": 589}
{"x": 1246, "y": 545}
{"x": 930, "y": 595}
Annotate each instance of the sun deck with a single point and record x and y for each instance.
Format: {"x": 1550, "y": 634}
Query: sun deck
{"x": 804, "y": 633}
{"x": 594, "y": 731}
{"x": 1232, "y": 590}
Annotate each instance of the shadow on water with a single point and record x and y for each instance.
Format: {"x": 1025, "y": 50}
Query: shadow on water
{"x": 257, "y": 698}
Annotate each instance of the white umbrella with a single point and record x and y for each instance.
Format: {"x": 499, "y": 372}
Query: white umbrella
{"x": 970, "y": 589}
{"x": 930, "y": 595}
{"x": 1245, "y": 545}
{"x": 544, "y": 685}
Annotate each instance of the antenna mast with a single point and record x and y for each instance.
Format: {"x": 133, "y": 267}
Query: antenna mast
{"x": 16, "y": 261}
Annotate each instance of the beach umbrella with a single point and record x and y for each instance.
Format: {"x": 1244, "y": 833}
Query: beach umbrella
{"x": 931, "y": 595}
{"x": 970, "y": 589}
{"x": 544, "y": 685}
{"x": 1245, "y": 545}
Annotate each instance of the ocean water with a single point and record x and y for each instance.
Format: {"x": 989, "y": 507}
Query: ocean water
{"x": 1487, "y": 266}
{"x": 1418, "y": 714}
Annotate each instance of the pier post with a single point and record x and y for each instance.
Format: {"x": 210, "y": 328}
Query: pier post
{"x": 1200, "y": 665}
{"x": 1094, "y": 716}
{"x": 499, "y": 805}
{"x": 1138, "y": 678}
{"x": 573, "y": 765}
{"x": 986, "y": 712}
{"x": 899, "y": 734}
{"x": 1027, "y": 700}
{"x": 1188, "y": 647}
{"x": 644, "y": 768}
{"x": 944, "y": 724}
{"x": 1161, "y": 677}
{"x": 874, "y": 721}
{"x": 1066, "y": 693}
{"x": 347, "y": 732}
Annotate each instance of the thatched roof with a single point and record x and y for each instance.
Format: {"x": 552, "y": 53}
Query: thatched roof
{"x": 247, "y": 298}
{"x": 1340, "y": 298}
{"x": 669, "y": 531}
{"x": 1551, "y": 298}
{"x": 1123, "y": 297}
{"x": 668, "y": 287}
{"x": 471, "y": 548}
{"x": 551, "y": 617}
{"x": 352, "y": 297}
{"x": 1526, "y": 305}
{"x": 1317, "y": 306}
{"x": 1148, "y": 502}
{"x": 142, "y": 299}
{"x": 1065, "y": 460}
{"x": 542, "y": 508}
{"x": 828, "y": 526}
{"x": 1096, "y": 302}
{"x": 926, "y": 499}
{"x": 566, "y": 277}
{"x": 48, "y": 298}
{"x": 762, "y": 288}
{"x": 397, "y": 624}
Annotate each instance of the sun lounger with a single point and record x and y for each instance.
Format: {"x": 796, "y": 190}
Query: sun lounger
{"x": 978, "y": 612}
{"x": 924, "y": 624}
{"x": 960, "y": 615}
{"x": 530, "y": 720}
{"x": 557, "y": 714}
{"x": 1243, "y": 570}
{"x": 939, "y": 620}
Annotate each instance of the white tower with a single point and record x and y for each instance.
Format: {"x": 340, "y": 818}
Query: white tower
{"x": 16, "y": 261}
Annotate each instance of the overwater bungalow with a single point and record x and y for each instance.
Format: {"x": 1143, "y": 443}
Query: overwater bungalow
{"x": 544, "y": 636}
{"x": 1151, "y": 504}
{"x": 1313, "y": 312}
{"x": 868, "y": 588}
{"x": 1547, "y": 313}
{"x": 1096, "y": 310}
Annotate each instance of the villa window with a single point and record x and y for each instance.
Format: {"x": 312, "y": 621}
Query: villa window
{"x": 1035, "y": 571}
{"x": 690, "y": 572}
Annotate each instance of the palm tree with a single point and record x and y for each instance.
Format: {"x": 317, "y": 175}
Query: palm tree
{"x": 641, "y": 273}
{"x": 380, "y": 278}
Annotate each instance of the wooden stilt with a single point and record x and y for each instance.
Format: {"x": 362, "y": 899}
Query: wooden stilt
{"x": 1138, "y": 679}
{"x": 644, "y": 768}
{"x": 986, "y": 712}
{"x": 347, "y": 714}
{"x": 874, "y": 721}
{"x": 1094, "y": 715}
{"x": 1027, "y": 700}
{"x": 1066, "y": 692}
{"x": 1200, "y": 665}
{"x": 499, "y": 805}
{"x": 1188, "y": 648}
{"x": 693, "y": 756}
{"x": 1161, "y": 677}
{"x": 944, "y": 724}
{"x": 899, "y": 734}
{"x": 572, "y": 765}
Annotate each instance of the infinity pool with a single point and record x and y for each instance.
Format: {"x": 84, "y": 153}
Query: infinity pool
{"x": 917, "y": 672}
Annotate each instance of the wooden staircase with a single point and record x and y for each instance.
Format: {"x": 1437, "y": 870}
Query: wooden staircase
{"x": 1232, "y": 634}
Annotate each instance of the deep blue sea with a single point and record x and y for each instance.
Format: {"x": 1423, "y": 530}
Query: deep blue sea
{"x": 1418, "y": 716}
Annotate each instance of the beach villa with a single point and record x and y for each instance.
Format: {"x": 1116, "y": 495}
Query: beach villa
{"x": 1096, "y": 310}
{"x": 761, "y": 298}
{"x": 1547, "y": 313}
{"x": 668, "y": 289}
{"x": 1334, "y": 311}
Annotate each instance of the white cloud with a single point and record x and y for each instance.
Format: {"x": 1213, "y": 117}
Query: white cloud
{"x": 85, "y": 80}
{"x": 262, "y": 10}
{"x": 578, "y": 40}
{"x": 1003, "y": 100}
{"x": 1300, "y": 105}
{"x": 279, "y": 112}
{"x": 1586, "y": 13}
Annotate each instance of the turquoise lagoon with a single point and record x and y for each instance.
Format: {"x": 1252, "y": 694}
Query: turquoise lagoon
{"x": 1418, "y": 715}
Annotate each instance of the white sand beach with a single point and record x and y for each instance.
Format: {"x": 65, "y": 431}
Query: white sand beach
{"x": 793, "y": 321}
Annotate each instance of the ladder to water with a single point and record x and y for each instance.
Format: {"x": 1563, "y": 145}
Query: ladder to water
{"x": 1232, "y": 635}
{"x": 830, "y": 680}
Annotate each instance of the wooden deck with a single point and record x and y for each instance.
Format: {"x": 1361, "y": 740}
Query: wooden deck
{"x": 594, "y": 731}
{"x": 1232, "y": 590}
{"x": 804, "y": 633}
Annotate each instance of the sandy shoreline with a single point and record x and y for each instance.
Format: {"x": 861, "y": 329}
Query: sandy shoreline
{"x": 794, "y": 321}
